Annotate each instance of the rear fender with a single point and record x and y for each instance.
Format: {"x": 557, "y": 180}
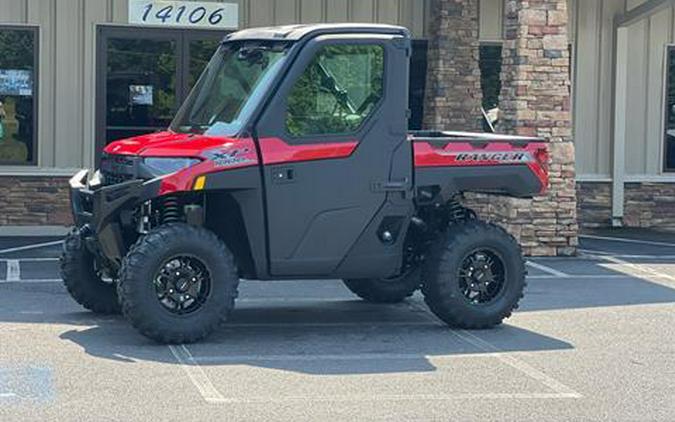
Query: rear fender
{"x": 504, "y": 168}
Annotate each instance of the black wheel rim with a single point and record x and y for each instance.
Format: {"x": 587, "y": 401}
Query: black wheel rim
{"x": 182, "y": 284}
{"x": 482, "y": 276}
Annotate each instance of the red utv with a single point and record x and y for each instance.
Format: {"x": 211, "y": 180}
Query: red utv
{"x": 291, "y": 159}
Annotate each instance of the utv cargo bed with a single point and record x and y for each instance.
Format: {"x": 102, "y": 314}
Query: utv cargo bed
{"x": 480, "y": 162}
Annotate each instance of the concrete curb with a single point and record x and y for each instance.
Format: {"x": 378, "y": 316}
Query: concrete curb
{"x": 33, "y": 231}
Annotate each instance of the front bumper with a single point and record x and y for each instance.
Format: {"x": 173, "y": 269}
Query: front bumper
{"x": 97, "y": 210}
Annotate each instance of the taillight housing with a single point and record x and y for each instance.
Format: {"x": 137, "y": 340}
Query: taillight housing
{"x": 542, "y": 157}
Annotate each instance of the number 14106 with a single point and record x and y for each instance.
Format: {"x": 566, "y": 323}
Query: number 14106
{"x": 181, "y": 13}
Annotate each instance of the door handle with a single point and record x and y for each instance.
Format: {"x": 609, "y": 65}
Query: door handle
{"x": 391, "y": 186}
{"x": 283, "y": 175}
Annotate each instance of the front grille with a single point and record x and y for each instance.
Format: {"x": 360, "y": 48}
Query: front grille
{"x": 113, "y": 179}
{"x": 117, "y": 169}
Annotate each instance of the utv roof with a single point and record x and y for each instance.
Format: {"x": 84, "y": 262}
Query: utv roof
{"x": 296, "y": 32}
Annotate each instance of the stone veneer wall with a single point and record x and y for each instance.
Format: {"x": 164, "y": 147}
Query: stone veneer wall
{"x": 594, "y": 205}
{"x": 535, "y": 101}
{"x": 453, "y": 93}
{"x": 34, "y": 200}
{"x": 645, "y": 204}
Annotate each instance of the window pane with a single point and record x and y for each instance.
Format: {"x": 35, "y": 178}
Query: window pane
{"x": 490, "y": 68}
{"x": 141, "y": 86}
{"x": 17, "y": 96}
{"x": 418, "y": 75}
{"x": 337, "y": 91}
{"x": 669, "y": 155}
{"x": 230, "y": 88}
{"x": 201, "y": 52}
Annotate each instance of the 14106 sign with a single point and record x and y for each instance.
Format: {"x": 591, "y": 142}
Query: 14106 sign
{"x": 184, "y": 13}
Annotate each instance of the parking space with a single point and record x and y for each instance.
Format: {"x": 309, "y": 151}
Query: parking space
{"x": 29, "y": 259}
{"x": 624, "y": 245}
{"x": 593, "y": 339}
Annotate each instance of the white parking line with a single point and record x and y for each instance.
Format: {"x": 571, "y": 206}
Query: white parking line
{"x": 579, "y": 276}
{"x": 549, "y": 270}
{"x": 211, "y": 395}
{"x": 196, "y": 374}
{"x": 29, "y": 247}
{"x": 561, "y": 389}
{"x": 31, "y": 259}
{"x": 624, "y": 240}
{"x": 13, "y": 270}
{"x": 206, "y": 388}
{"x": 38, "y": 280}
{"x": 636, "y": 267}
{"x": 359, "y": 357}
{"x": 589, "y": 253}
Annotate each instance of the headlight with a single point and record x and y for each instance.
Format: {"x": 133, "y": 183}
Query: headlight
{"x": 95, "y": 179}
{"x": 159, "y": 166}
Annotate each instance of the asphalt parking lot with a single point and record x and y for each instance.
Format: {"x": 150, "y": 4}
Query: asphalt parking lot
{"x": 594, "y": 340}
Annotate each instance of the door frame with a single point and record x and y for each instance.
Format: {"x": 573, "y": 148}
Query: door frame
{"x": 183, "y": 38}
{"x": 270, "y": 124}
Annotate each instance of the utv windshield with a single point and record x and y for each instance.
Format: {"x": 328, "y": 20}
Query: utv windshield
{"x": 230, "y": 88}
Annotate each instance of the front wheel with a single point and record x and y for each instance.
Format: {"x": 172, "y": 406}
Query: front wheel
{"x": 178, "y": 283}
{"x": 83, "y": 281}
{"x": 476, "y": 277}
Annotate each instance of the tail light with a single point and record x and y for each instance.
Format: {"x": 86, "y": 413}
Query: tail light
{"x": 542, "y": 157}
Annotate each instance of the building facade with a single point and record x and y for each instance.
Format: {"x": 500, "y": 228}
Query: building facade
{"x": 595, "y": 76}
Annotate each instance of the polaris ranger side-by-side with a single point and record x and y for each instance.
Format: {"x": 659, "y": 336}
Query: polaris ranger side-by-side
{"x": 291, "y": 159}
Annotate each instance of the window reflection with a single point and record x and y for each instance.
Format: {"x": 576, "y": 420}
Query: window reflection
{"x": 201, "y": 52}
{"x": 669, "y": 153}
{"x": 141, "y": 86}
{"x": 337, "y": 91}
{"x": 17, "y": 94}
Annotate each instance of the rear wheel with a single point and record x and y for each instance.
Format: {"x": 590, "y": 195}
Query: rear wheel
{"x": 178, "y": 283}
{"x": 476, "y": 277}
{"x": 83, "y": 281}
{"x": 387, "y": 290}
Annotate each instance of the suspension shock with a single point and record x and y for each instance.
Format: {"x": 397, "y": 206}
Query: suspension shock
{"x": 455, "y": 210}
{"x": 458, "y": 212}
{"x": 170, "y": 210}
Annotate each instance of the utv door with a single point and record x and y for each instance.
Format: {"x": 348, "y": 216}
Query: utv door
{"x": 337, "y": 164}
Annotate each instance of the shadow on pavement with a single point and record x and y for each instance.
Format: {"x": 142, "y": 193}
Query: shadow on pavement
{"x": 570, "y": 293}
{"x": 318, "y": 339}
{"x": 642, "y": 275}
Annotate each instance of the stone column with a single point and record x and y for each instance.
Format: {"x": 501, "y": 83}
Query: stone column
{"x": 453, "y": 92}
{"x": 535, "y": 101}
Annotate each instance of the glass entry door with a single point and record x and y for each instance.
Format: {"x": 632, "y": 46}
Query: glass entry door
{"x": 144, "y": 74}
